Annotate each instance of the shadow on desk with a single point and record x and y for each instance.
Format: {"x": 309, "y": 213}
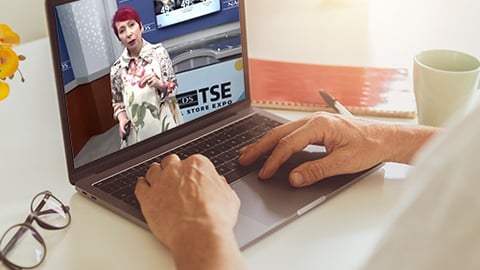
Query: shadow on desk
{"x": 101, "y": 239}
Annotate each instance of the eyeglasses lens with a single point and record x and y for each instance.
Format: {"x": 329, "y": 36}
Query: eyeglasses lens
{"x": 22, "y": 246}
{"x": 50, "y": 211}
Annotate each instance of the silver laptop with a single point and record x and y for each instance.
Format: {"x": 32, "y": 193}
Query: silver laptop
{"x": 206, "y": 41}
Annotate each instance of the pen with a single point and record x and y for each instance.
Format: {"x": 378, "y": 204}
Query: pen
{"x": 331, "y": 101}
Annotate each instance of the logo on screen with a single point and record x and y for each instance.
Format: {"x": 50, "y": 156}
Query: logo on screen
{"x": 187, "y": 100}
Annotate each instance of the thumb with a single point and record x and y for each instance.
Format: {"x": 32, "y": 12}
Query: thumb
{"x": 313, "y": 171}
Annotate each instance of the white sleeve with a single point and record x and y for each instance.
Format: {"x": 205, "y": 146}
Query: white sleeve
{"x": 437, "y": 225}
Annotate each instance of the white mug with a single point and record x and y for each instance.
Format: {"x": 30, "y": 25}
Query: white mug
{"x": 444, "y": 82}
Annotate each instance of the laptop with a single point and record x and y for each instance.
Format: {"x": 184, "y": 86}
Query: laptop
{"x": 206, "y": 42}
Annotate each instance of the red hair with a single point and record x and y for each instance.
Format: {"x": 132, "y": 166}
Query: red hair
{"x": 125, "y": 14}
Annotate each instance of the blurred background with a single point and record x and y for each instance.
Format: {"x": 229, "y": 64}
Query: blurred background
{"x": 27, "y": 18}
{"x": 350, "y": 32}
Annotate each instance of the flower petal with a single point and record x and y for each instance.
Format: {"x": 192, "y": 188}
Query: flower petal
{"x": 8, "y": 62}
{"x": 4, "y": 90}
{"x": 8, "y": 38}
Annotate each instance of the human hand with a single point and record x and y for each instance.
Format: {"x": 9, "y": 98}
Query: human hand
{"x": 122, "y": 121}
{"x": 352, "y": 144}
{"x": 181, "y": 198}
{"x": 151, "y": 80}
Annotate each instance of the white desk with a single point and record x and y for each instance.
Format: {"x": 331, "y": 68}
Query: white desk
{"x": 337, "y": 235}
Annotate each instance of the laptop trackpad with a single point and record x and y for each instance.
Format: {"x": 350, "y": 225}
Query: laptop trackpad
{"x": 274, "y": 200}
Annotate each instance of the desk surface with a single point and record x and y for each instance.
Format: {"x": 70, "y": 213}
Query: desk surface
{"x": 383, "y": 33}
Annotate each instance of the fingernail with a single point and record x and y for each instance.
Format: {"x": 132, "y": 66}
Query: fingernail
{"x": 260, "y": 174}
{"x": 242, "y": 150}
{"x": 297, "y": 179}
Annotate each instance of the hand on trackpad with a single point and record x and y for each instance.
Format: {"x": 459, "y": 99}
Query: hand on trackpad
{"x": 309, "y": 153}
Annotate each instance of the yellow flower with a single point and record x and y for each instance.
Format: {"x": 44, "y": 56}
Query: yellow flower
{"x": 9, "y": 60}
{"x": 4, "y": 90}
{"x": 8, "y": 38}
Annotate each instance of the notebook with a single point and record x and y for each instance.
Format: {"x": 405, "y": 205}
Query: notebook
{"x": 367, "y": 91}
{"x": 206, "y": 41}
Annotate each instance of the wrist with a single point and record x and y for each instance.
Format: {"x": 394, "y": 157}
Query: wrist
{"x": 196, "y": 234}
{"x": 118, "y": 110}
{"x": 122, "y": 116}
{"x": 405, "y": 140}
{"x": 168, "y": 86}
{"x": 205, "y": 247}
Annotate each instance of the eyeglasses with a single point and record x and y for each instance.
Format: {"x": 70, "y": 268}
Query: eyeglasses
{"x": 21, "y": 246}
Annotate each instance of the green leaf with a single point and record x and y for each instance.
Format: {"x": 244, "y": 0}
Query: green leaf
{"x": 131, "y": 98}
{"x": 153, "y": 109}
{"x": 140, "y": 123}
{"x": 165, "y": 126}
{"x": 141, "y": 113}
{"x": 134, "y": 110}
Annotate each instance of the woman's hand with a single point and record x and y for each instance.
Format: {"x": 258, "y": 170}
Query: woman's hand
{"x": 122, "y": 121}
{"x": 151, "y": 80}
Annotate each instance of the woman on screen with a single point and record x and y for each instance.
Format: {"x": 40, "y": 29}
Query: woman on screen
{"x": 143, "y": 83}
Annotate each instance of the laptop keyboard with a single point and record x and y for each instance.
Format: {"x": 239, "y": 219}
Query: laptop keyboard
{"x": 221, "y": 147}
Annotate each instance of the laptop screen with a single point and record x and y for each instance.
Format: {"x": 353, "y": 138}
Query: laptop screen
{"x": 200, "y": 74}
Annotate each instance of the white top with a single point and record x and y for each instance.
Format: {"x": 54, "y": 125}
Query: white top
{"x": 437, "y": 223}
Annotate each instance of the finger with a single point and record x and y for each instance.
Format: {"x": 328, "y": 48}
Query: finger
{"x": 121, "y": 129}
{"x": 251, "y": 153}
{"x": 294, "y": 142}
{"x": 200, "y": 161}
{"x": 154, "y": 166}
{"x": 151, "y": 80}
{"x": 144, "y": 80}
{"x": 141, "y": 187}
{"x": 147, "y": 79}
{"x": 200, "y": 164}
{"x": 152, "y": 172}
{"x": 224, "y": 180}
{"x": 170, "y": 159}
{"x": 311, "y": 172}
